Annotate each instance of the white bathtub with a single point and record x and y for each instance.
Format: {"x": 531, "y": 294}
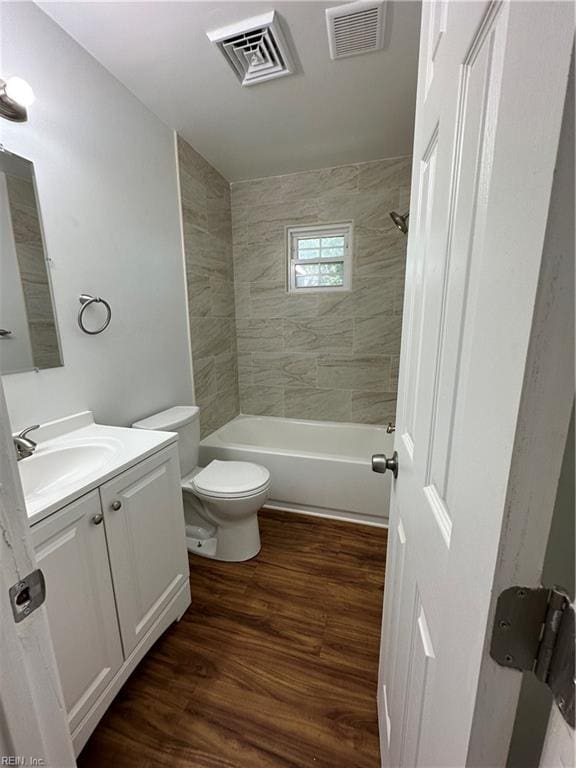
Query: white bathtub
{"x": 317, "y": 467}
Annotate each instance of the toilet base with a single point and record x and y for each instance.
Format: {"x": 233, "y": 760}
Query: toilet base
{"x": 232, "y": 544}
{"x": 202, "y": 547}
{"x": 211, "y": 531}
{"x": 238, "y": 542}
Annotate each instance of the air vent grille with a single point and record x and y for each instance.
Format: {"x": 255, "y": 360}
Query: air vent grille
{"x": 355, "y": 28}
{"x": 255, "y": 49}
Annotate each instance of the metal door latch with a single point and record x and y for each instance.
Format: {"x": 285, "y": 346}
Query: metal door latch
{"x": 27, "y": 595}
{"x": 534, "y": 631}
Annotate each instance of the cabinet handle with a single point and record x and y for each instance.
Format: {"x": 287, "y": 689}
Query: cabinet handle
{"x": 97, "y": 519}
{"x": 116, "y": 505}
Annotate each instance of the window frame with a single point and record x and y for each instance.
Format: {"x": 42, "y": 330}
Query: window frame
{"x": 317, "y": 231}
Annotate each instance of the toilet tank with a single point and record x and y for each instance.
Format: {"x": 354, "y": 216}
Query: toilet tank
{"x": 185, "y": 420}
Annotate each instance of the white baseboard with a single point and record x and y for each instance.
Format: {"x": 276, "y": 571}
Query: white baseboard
{"x": 332, "y": 514}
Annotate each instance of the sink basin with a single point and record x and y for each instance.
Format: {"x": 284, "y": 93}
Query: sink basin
{"x": 55, "y": 468}
{"x": 75, "y": 456}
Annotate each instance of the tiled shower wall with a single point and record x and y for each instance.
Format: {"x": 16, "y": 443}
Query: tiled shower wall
{"x": 206, "y": 215}
{"x": 327, "y": 356}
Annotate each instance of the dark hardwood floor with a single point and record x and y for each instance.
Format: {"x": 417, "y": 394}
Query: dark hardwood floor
{"x": 274, "y": 664}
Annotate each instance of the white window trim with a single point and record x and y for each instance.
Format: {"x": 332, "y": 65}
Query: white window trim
{"x": 314, "y": 231}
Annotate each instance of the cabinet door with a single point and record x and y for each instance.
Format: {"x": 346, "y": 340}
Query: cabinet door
{"x": 146, "y": 540}
{"x": 71, "y": 551}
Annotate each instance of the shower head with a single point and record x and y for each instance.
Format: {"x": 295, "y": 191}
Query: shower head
{"x": 400, "y": 221}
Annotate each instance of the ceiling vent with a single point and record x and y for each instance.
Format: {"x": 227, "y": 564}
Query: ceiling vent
{"x": 355, "y": 28}
{"x": 255, "y": 49}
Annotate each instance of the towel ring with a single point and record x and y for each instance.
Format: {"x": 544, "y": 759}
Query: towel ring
{"x": 85, "y": 301}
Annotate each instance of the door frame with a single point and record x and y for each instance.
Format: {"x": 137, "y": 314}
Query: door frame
{"x": 33, "y": 721}
{"x": 542, "y": 428}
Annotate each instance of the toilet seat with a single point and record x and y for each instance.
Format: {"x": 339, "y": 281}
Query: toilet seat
{"x": 229, "y": 480}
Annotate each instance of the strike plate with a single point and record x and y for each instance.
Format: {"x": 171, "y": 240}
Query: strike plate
{"x": 27, "y": 595}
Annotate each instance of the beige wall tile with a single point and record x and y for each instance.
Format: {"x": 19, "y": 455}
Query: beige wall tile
{"x": 378, "y": 335}
{"x": 267, "y": 223}
{"x": 324, "y": 352}
{"x": 199, "y": 293}
{"x": 394, "y": 172}
{"x": 373, "y": 407}
{"x": 322, "y": 334}
{"x": 374, "y": 296}
{"x": 257, "y": 262}
{"x": 353, "y": 371}
{"x": 21, "y": 192}
{"x": 207, "y": 225}
{"x": 242, "y": 299}
{"x": 284, "y": 369}
{"x": 226, "y": 371}
{"x": 259, "y": 335}
{"x": 394, "y": 370}
{"x": 273, "y": 300}
{"x": 343, "y": 179}
{"x": 262, "y": 400}
{"x": 317, "y": 404}
{"x": 380, "y": 253}
{"x": 194, "y": 199}
{"x": 204, "y": 379}
{"x": 210, "y": 336}
{"x": 245, "y": 368}
{"x": 31, "y": 259}
{"x": 44, "y": 342}
{"x": 222, "y": 304}
{"x": 337, "y": 304}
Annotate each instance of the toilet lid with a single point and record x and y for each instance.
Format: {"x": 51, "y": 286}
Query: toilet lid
{"x": 231, "y": 477}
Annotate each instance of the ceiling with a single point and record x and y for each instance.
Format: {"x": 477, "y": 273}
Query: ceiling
{"x": 330, "y": 113}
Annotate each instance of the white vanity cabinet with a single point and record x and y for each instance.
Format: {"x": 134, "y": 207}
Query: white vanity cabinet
{"x": 116, "y": 570}
{"x": 71, "y": 551}
{"x": 144, "y": 517}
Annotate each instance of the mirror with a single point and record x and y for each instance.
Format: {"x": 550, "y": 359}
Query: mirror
{"x": 28, "y": 330}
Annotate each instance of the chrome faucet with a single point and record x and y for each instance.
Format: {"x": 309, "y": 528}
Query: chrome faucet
{"x": 23, "y": 445}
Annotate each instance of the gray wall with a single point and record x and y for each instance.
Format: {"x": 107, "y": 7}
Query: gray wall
{"x": 108, "y": 196}
{"x": 333, "y": 356}
{"x": 207, "y": 224}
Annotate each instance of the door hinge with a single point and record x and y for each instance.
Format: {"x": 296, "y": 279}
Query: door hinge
{"x": 27, "y": 594}
{"x": 534, "y": 631}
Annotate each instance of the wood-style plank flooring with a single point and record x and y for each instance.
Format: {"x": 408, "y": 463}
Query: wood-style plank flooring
{"x": 274, "y": 665}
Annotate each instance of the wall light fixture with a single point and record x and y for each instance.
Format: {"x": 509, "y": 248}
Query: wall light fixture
{"x": 15, "y": 98}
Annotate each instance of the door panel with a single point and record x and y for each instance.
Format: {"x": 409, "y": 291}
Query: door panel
{"x": 471, "y": 282}
{"x": 146, "y": 541}
{"x": 71, "y": 551}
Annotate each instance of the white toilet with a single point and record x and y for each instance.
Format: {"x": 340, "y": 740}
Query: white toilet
{"x": 221, "y": 501}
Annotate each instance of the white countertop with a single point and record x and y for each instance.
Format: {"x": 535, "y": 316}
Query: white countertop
{"x": 105, "y": 452}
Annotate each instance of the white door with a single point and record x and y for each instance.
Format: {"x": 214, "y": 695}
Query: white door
{"x": 32, "y": 715}
{"x": 72, "y": 553}
{"x": 146, "y": 540}
{"x": 474, "y": 495}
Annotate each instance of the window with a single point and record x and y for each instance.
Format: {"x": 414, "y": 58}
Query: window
{"x": 319, "y": 258}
